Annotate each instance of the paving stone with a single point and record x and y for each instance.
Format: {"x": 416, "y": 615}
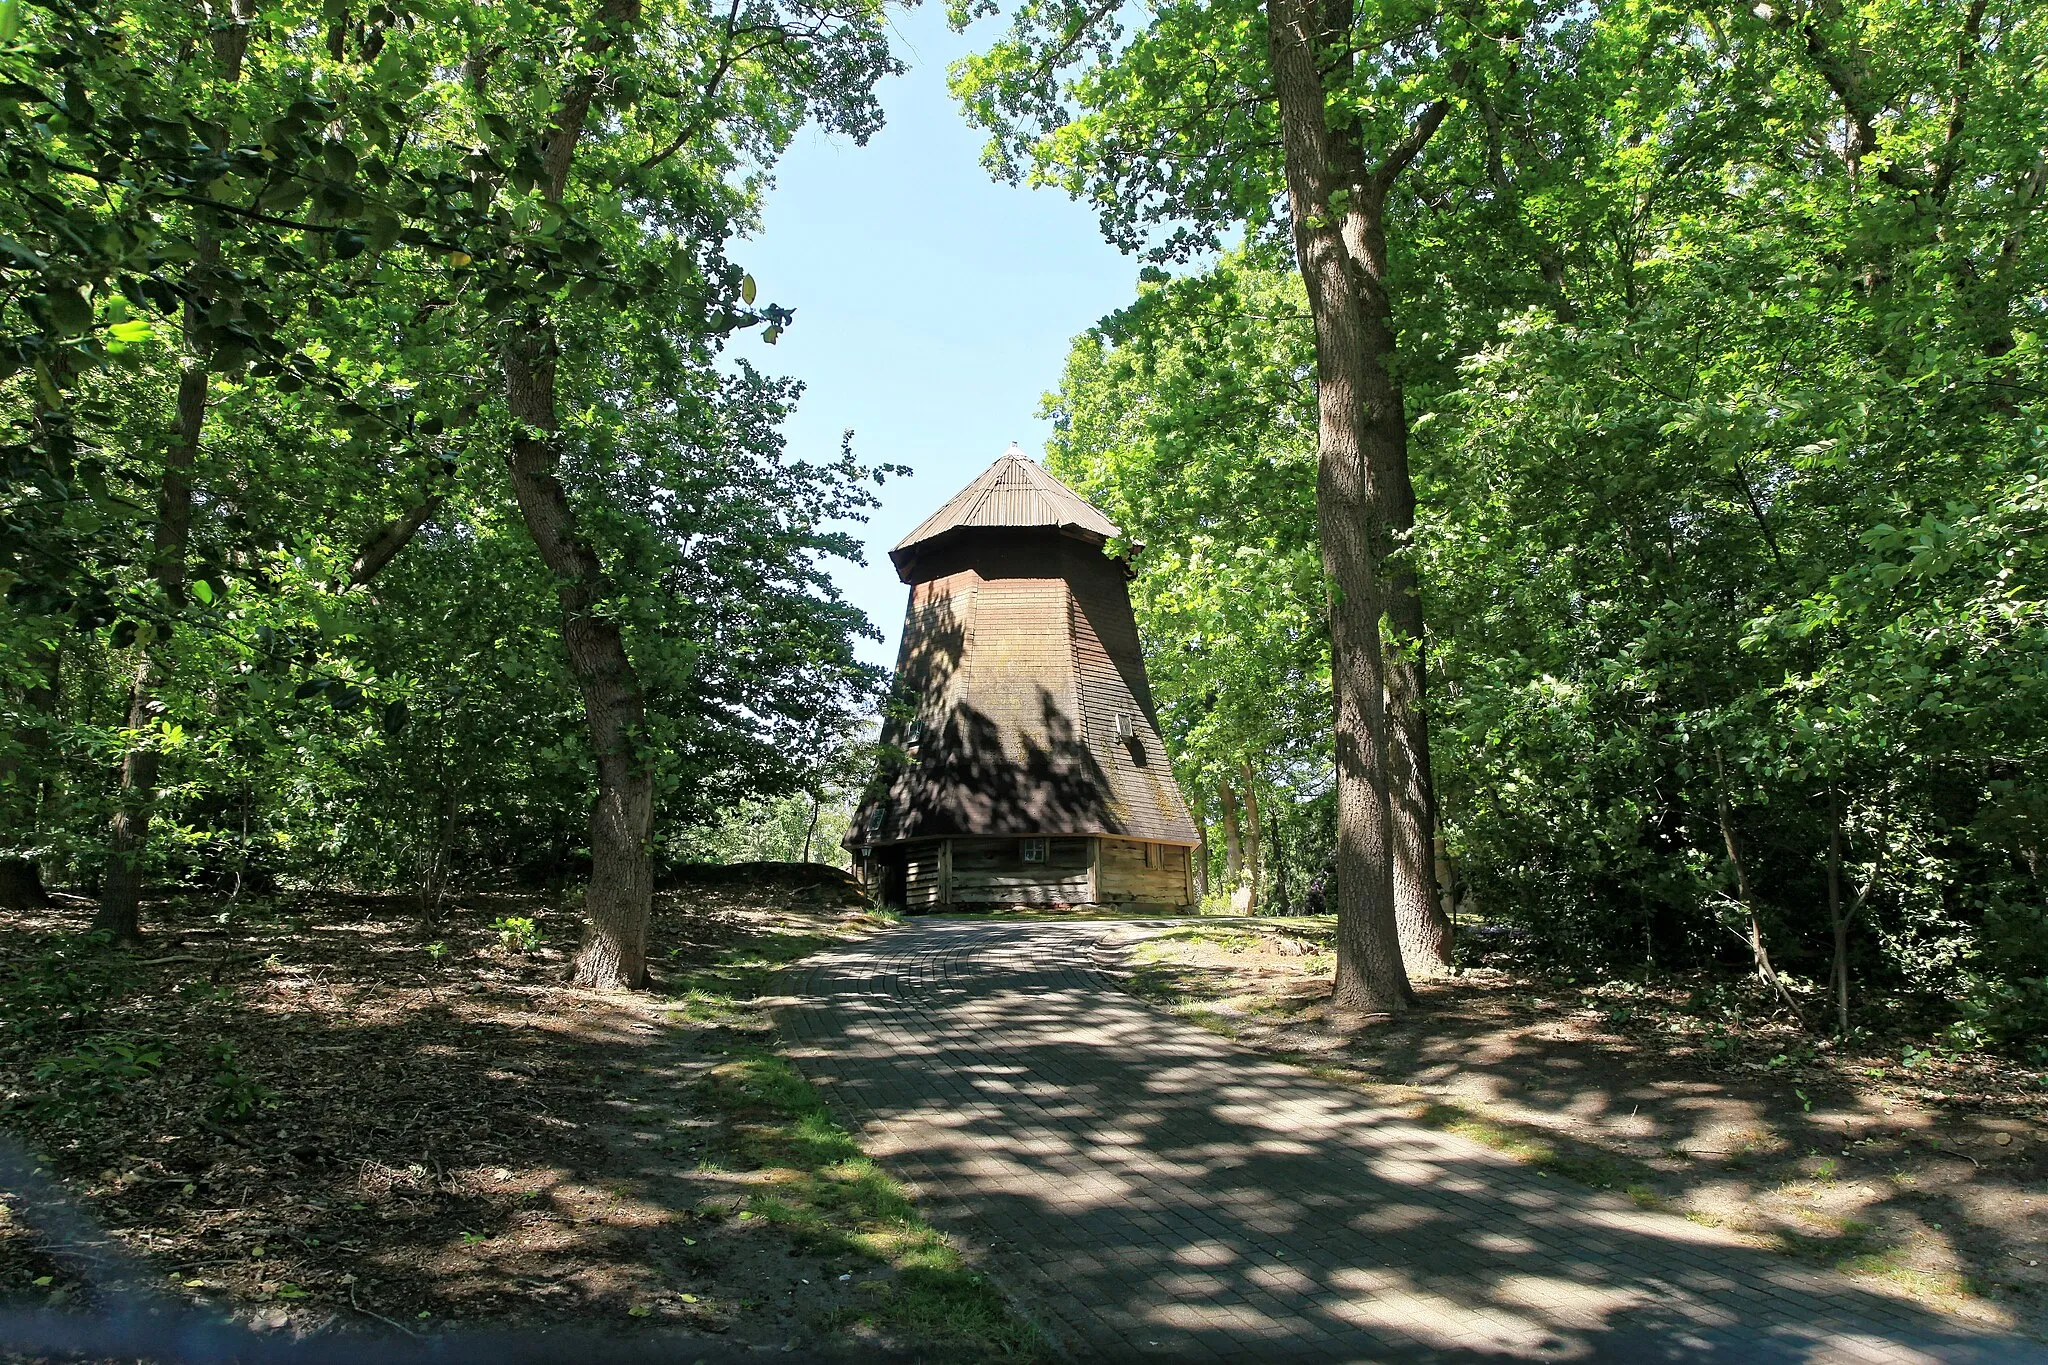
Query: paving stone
{"x": 1163, "y": 1185}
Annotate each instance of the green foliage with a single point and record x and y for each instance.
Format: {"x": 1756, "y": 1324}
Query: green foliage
{"x": 319, "y": 226}
{"x": 72, "y": 1081}
{"x": 1722, "y": 356}
{"x": 66, "y": 988}
{"x": 517, "y": 932}
{"x": 1190, "y": 418}
{"x": 236, "y": 1094}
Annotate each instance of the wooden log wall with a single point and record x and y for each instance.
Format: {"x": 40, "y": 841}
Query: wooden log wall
{"x": 921, "y": 881}
{"x": 1124, "y": 874}
{"x": 993, "y": 872}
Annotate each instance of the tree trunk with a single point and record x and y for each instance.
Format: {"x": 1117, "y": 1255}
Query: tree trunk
{"x": 1283, "y": 904}
{"x": 434, "y": 881}
{"x": 21, "y": 884}
{"x": 1838, "y": 919}
{"x": 1351, "y": 522}
{"x": 1418, "y": 908}
{"x": 120, "y": 907}
{"x": 1841, "y": 918}
{"x": 394, "y": 535}
{"x": 22, "y": 783}
{"x": 1757, "y": 948}
{"x": 119, "y": 914}
{"x": 1233, "y": 838}
{"x": 1418, "y": 911}
{"x": 1447, "y": 882}
{"x": 1254, "y": 857}
{"x": 619, "y": 899}
{"x": 811, "y": 830}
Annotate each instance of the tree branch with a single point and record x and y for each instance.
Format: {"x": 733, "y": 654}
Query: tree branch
{"x": 689, "y": 130}
{"x": 1966, "y": 58}
{"x": 393, "y": 536}
{"x": 1408, "y": 148}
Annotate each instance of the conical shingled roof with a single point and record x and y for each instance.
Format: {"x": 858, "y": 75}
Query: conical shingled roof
{"x": 1012, "y": 492}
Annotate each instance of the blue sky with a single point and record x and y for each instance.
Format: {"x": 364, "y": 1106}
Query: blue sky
{"x": 933, "y": 306}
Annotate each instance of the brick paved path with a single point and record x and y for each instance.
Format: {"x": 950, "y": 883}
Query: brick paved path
{"x": 1145, "y": 1188}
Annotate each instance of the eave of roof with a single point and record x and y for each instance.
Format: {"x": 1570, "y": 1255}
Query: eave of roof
{"x": 1013, "y": 492}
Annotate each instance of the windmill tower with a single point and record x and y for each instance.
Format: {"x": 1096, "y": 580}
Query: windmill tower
{"x": 1030, "y": 768}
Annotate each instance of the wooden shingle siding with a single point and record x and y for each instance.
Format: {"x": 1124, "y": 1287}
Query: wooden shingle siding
{"x": 1145, "y": 801}
{"x": 1020, "y": 655}
{"x": 1034, "y": 888}
{"x": 1023, "y": 668}
{"x": 1017, "y": 658}
{"x": 989, "y": 855}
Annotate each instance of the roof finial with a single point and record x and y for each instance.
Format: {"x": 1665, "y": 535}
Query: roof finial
{"x": 1016, "y": 450}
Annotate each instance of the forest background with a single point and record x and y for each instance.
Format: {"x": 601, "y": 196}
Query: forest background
{"x": 1717, "y": 333}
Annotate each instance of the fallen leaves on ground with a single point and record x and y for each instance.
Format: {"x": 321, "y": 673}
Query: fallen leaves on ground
{"x": 318, "y": 1114}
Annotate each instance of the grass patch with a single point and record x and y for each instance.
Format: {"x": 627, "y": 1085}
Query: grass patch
{"x": 1889, "y": 1263}
{"x": 818, "y": 1187}
{"x": 1153, "y": 949}
{"x": 1511, "y": 1139}
{"x": 832, "y": 1198}
{"x": 1856, "y": 1248}
{"x": 1533, "y": 1147}
{"x": 718, "y": 994}
{"x": 1645, "y": 1198}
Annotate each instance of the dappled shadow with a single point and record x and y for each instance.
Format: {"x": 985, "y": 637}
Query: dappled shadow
{"x": 1021, "y": 702}
{"x": 1026, "y": 769}
{"x": 439, "y": 1136}
{"x": 1621, "y": 1085}
{"x": 1154, "y": 1190}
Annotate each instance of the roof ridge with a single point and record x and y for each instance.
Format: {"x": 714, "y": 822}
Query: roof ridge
{"x": 1035, "y": 498}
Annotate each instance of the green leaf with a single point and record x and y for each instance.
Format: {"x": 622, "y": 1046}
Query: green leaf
{"x": 13, "y": 250}
{"x": 339, "y": 160}
{"x": 70, "y": 309}
{"x": 747, "y": 288}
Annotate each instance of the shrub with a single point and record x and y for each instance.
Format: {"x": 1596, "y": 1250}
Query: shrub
{"x": 518, "y": 933}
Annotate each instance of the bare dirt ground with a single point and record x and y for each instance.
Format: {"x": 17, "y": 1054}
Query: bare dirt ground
{"x": 315, "y": 1115}
{"x": 1920, "y": 1174}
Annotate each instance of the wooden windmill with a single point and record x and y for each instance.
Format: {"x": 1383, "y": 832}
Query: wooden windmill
{"x": 1026, "y": 763}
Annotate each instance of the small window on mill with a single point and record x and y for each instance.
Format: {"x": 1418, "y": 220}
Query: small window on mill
{"x": 1033, "y": 850}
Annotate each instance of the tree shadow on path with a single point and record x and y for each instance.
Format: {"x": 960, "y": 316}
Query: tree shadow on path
{"x": 1150, "y": 1191}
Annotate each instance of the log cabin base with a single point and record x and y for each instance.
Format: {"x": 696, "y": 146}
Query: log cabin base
{"x": 1051, "y": 871}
